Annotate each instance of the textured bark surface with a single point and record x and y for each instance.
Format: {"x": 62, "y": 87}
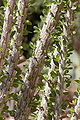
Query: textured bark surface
{"x": 36, "y": 64}
{"x": 43, "y": 113}
{"x": 16, "y": 43}
{"x": 14, "y": 54}
{"x": 60, "y": 80}
{"x": 8, "y": 21}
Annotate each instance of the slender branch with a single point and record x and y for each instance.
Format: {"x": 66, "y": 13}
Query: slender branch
{"x": 14, "y": 54}
{"x": 43, "y": 113}
{"x": 62, "y": 62}
{"x": 36, "y": 64}
{"x": 17, "y": 41}
{"x": 8, "y": 21}
{"x": 60, "y": 85}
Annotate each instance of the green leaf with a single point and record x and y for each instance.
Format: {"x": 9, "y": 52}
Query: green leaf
{"x": 53, "y": 74}
{"x": 78, "y": 81}
{"x": 28, "y": 22}
{"x": 2, "y": 78}
{"x": 57, "y": 58}
{"x": 21, "y": 13}
{"x": 14, "y": 96}
{"x": 76, "y": 94}
{"x": 15, "y": 85}
{"x": 17, "y": 81}
{"x": 72, "y": 110}
{"x": 19, "y": 71}
{"x": 51, "y": 113}
{"x": 32, "y": 45}
{"x": 73, "y": 7}
{"x": 36, "y": 29}
{"x": 74, "y": 102}
{"x": 8, "y": 4}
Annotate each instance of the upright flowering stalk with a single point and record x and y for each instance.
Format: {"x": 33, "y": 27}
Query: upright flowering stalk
{"x": 8, "y": 21}
{"x": 36, "y": 64}
{"x": 14, "y": 53}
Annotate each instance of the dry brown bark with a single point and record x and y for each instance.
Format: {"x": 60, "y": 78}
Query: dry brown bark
{"x": 36, "y": 64}
{"x": 5, "y": 38}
